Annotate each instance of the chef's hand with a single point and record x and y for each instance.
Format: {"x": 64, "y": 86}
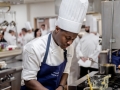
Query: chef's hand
{"x": 119, "y": 66}
{"x": 60, "y": 88}
{"x": 83, "y": 59}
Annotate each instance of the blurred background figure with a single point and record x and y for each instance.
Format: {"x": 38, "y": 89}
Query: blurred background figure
{"x": 24, "y": 37}
{"x": 37, "y": 33}
{"x": 12, "y": 40}
{"x": 29, "y": 29}
{"x": 2, "y": 37}
{"x": 43, "y": 30}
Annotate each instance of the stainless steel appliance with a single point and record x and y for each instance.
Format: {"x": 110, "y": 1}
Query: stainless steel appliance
{"x": 114, "y": 82}
{"x": 110, "y": 24}
{"x": 7, "y": 78}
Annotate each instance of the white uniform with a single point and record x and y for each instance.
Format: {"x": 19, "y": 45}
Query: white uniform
{"x": 89, "y": 47}
{"x": 27, "y": 38}
{"x": 33, "y": 54}
{"x": 74, "y": 69}
{"x": 44, "y": 32}
{"x": 12, "y": 40}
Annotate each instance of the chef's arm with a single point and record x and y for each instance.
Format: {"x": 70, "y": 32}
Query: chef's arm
{"x": 63, "y": 82}
{"x": 34, "y": 85}
{"x": 64, "y": 79}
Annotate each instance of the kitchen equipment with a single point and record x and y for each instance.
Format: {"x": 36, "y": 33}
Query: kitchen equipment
{"x": 108, "y": 69}
{"x": 6, "y": 79}
{"x": 94, "y": 88}
{"x": 80, "y": 84}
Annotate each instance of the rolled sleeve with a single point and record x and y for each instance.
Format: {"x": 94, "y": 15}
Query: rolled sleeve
{"x": 31, "y": 63}
{"x": 69, "y": 59}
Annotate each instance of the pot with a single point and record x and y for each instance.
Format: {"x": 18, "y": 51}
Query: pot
{"x": 107, "y": 69}
{"x": 94, "y": 88}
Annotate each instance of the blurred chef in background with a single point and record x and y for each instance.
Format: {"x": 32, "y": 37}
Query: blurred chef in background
{"x": 12, "y": 40}
{"x": 29, "y": 29}
{"x": 88, "y": 48}
{"x": 27, "y": 37}
{"x": 43, "y": 30}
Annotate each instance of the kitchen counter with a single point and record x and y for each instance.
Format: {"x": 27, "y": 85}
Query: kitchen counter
{"x": 17, "y": 65}
{"x": 15, "y": 52}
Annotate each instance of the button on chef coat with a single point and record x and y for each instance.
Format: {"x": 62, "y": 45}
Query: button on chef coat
{"x": 33, "y": 54}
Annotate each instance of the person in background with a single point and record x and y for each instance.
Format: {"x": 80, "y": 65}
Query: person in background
{"x": 12, "y": 40}
{"x": 43, "y": 30}
{"x": 37, "y": 33}
{"x": 29, "y": 29}
{"x": 88, "y": 49}
{"x": 87, "y": 29}
{"x": 2, "y": 37}
{"x": 47, "y": 60}
{"x": 26, "y": 37}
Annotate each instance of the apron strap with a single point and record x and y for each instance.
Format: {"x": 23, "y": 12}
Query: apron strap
{"x": 47, "y": 49}
{"x": 65, "y": 54}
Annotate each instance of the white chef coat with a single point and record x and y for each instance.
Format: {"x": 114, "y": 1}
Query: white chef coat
{"x": 74, "y": 69}
{"x": 12, "y": 40}
{"x": 89, "y": 47}
{"x": 33, "y": 54}
{"x": 44, "y": 32}
{"x": 27, "y": 38}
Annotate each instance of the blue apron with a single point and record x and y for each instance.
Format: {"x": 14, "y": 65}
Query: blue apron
{"x": 50, "y": 76}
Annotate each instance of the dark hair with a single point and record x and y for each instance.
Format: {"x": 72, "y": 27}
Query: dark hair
{"x": 35, "y": 33}
{"x": 10, "y": 31}
{"x": 43, "y": 25}
{"x": 3, "y": 33}
{"x": 24, "y": 29}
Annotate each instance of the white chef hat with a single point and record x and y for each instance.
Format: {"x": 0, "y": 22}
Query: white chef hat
{"x": 71, "y": 15}
{"x": 28, "y": 26}
{"x": 52, "y": 22}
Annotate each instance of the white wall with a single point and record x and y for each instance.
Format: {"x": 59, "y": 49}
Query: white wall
{"x": 21, "y": 15}
{"x": 41, "y": 10}
{"x": 27, "y": 12}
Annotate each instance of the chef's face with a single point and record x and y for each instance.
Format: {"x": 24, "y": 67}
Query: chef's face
{"x": 38, "y": 33}
{"x": 64, "y": 38}
{"x": 87, "y": 29}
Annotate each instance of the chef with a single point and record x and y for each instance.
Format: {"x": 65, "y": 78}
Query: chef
{"x": 12, "y": 40}
{"x": 88, "y": 48}
{"x": 47, "y": 60}
{"x": 29, "y": 29}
